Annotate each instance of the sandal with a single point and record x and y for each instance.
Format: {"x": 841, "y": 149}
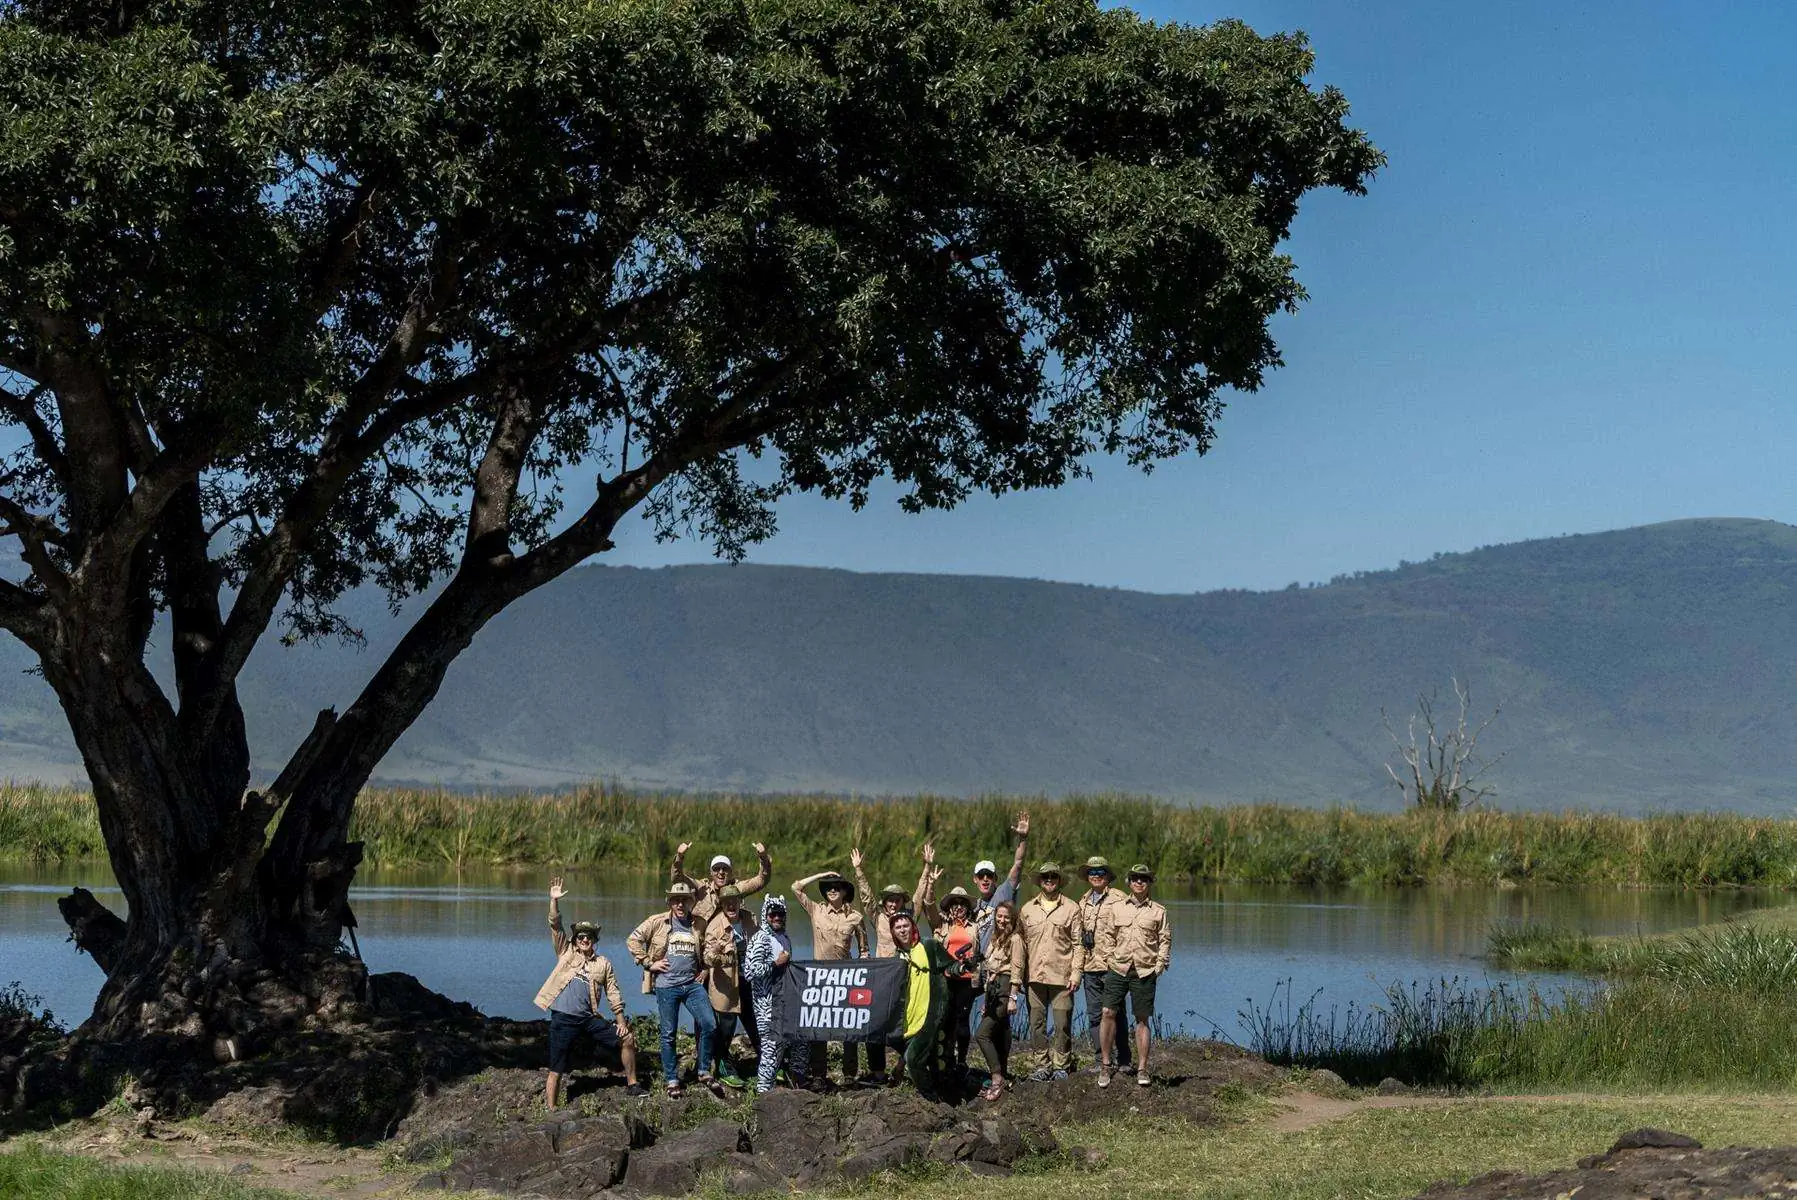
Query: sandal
{"x": 992, "y": 1091}
{"x": 675, "y": 1091}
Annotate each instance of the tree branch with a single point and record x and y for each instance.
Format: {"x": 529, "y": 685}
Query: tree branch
{"x": 23, "y": 410}
{"x": 22, "y": 614}
{"x": 36, "y": 534}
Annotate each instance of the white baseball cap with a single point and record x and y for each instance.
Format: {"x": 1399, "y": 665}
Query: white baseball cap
{"x": 721, "y": 860}
{"x": 985, "y": 864}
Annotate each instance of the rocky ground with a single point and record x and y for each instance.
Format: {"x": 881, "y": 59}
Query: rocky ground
{"x": 494, "y": 1134}
{"x": 1646, "y": 1163}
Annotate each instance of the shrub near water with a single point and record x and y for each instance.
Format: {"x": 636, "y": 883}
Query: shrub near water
{"x": 1709, "y": 1008}
{"x": 626, "y": 829}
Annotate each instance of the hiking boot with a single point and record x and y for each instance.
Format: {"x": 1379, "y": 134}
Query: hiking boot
{"x": 635, "y": 1090}
{"x": 1058, "y": 1075}
{"x": 1043, "y": 1075}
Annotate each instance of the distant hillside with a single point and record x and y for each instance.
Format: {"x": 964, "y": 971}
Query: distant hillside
{"x": 1647, "y": 668}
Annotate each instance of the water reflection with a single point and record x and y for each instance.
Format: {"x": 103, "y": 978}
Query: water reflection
{"x": 482, "y": 937}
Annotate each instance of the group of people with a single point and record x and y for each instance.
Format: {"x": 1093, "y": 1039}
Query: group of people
{"x": 974, "y": 959}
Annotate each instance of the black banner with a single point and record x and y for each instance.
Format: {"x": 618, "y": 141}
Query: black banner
{"x": 843, "y": 1000}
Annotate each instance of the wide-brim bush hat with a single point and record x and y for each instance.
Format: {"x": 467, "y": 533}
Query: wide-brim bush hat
{"x": 956, "y": 894}
{"x": 681, "y": 891}
{"x": 895, "y": 892}
{"x": 836, "y": 881}
{"x": 1049, "y": 868}
{"x": 1142, "y": 870}
{"x": 587, "y": 927}
{"x": 729, "y": 892}
{"x": 1099, "y": 862}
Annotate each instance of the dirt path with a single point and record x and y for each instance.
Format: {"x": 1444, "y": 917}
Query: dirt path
{"x": 308, "y": 1170}
{"x": 1299, "y": 1111}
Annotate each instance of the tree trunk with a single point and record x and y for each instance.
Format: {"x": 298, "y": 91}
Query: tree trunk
{"x": 210, "y": 950}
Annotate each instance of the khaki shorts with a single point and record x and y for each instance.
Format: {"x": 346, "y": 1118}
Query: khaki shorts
{"x": 1139, "y": 989}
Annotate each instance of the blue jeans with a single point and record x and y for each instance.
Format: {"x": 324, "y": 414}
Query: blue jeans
{"x": 668, "y": 1003}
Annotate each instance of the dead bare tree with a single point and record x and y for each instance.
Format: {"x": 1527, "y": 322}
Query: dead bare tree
{"x": 1443, "y": 764}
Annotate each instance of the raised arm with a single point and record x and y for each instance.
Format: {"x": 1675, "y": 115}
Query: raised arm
{"x": 754, "y": 884}
{"x": 677, "y": 872}
{"x": 861, "y": 884}
{"x": 557, "y": 938}
{"x": 1022, "y": 830}
{"x": 798, "y": 891}
{"x": 920, "y": 895}
{"x": 931, "y": 874}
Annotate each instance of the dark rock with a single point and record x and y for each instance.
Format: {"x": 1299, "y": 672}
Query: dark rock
{"x": 574, "y": 1157}
{"x": 1393, "y": 1087}
{"x": 986, "y": 1168}
{"x": 745, "y": 1174}
{"x": 673, "y": 1165}
{"x": 1663, "y": 1172}
{"x": 1326, "y": 1082}
{"x": 436, "y": 1181}
{"x": 1000, "y": 1142}
{"x": 888, "y": 1155}
{"x": 1655, "y": 1139}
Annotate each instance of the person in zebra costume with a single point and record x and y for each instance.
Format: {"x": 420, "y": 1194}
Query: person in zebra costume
{"x": 764, "y": 966}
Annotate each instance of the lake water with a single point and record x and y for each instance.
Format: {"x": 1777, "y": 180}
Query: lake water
{"x": 481, "y": 936}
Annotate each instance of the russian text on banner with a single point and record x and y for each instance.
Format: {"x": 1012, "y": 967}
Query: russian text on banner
{"x": 843, "y": 1000}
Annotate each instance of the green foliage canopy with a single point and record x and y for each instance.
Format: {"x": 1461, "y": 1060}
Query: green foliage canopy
{"x": 373, "y": 274}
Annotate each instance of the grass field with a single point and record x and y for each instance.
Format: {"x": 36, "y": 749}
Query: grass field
{"x": 625, "y": 829}
{"x": 1382, "y": 1154}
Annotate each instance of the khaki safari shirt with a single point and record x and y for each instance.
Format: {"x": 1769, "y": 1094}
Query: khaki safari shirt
{"x": 833, "y": 932}
{"x": 722, "y": 973}
{"x": 648, "y": 943}
{"x": 705, "y": 898}
{"x": 1091, "y": 905}
{"x": 884, "y": 946}
{"x": 1007, "y": 956}
{"x": 1135, "y": 933}
{"x": 1052, "y": 931}
{"x": 571, "y": 963}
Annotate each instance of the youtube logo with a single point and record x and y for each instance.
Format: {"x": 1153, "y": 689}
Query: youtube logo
{"x": 861, "y": 997}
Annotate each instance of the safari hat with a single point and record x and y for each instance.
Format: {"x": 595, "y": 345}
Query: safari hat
{"x": 955, "y": 893}
{"x": 729, "y": 892}
{"x": 586, "y": 927}
{"x": 681, "y": 890}
{"x": 1099, "y": 862}
{"x": 895, "y": 891}
{"x": 836, "y": 881}
{"x": 1142, "y": 870}
{"x": 1049, "y": 868}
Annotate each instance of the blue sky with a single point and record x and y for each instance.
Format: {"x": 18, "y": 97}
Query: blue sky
{"x": 1565, "y": 306}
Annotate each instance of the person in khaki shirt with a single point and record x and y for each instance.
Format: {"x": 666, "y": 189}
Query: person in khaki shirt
{"x": 727, "y": 936}
{"x": 571, "y": 997}
{"x": 721, "y": 876}
{"x": 1135, "y": 943}
{"x": 1099, "y": 896}
{"x": 1050, "y": 924}
{"x": 670, "y": 947}
{"x": 835, "y": 929}
{"x": 1005, "y": 966}
{"x": 893, "y": 901}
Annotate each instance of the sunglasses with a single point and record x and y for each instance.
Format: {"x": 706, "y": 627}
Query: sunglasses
{"x": 1140, "y": 879}
{"x": 583, "y": 937}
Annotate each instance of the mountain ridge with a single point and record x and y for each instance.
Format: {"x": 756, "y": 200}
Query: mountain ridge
{"x": 1641, "y": 668}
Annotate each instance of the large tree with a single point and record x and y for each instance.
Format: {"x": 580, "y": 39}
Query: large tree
{"x": 300, "y": 297}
